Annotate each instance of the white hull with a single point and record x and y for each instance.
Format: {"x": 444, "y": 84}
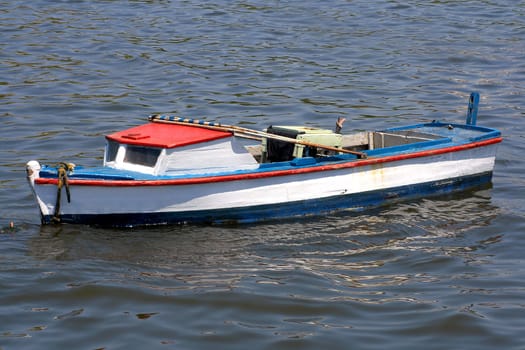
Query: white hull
{"x": 265, "y": 191}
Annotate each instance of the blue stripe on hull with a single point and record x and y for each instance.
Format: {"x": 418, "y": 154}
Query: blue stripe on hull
{"x": 358, "y": 201}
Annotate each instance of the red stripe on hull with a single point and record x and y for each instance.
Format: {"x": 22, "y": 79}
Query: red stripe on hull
{"x": 259, "y": 175}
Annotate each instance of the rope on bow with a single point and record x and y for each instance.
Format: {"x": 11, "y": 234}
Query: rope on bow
{"x": 62, "y": 171}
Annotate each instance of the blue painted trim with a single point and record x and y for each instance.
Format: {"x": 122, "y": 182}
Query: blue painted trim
{"x": 95, "y": 173}
{"x": 359, "y": 201}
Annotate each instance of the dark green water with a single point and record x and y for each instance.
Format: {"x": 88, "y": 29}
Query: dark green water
{"x": 438, "y": 273}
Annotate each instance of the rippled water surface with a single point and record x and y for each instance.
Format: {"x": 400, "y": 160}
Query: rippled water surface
{"x": 436, "y": 273}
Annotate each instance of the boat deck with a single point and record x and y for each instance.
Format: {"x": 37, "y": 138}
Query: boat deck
{"x": 375, "y": 144}
{"x": 457, "y": 133}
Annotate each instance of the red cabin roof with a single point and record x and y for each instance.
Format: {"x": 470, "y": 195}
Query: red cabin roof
{"x": 166, "y": 135}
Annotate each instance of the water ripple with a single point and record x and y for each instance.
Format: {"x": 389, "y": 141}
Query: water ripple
{"x": 429, "y": 273}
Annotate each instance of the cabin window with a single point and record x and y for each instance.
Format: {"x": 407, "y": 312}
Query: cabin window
{"x": 146, "y": 156}
{"x": 111, "y": 151}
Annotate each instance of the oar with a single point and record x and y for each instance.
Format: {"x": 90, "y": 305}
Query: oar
{"x": 245, "y": 132}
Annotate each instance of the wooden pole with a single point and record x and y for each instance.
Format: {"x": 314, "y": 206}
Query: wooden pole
{"x": 246, "y": 133}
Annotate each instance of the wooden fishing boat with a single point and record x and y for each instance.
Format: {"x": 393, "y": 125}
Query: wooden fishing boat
{"x": 174, "y": 170}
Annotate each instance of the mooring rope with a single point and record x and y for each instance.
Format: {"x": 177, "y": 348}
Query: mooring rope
{"x": 62, "y": 171}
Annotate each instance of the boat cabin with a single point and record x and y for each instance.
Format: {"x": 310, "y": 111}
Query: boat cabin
{"x": 164, "y": 149}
